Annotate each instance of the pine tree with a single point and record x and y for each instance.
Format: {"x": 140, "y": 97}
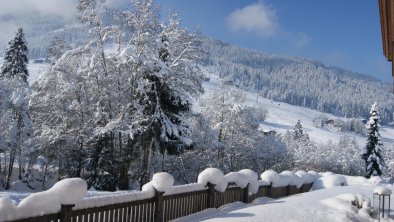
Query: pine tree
{"x": 373, "y": 154}
{"x": 102, "y": 164}
{"x": 297, "y": 131}
{"x": 15, "y": 60}
{"x": 14, "y": 75}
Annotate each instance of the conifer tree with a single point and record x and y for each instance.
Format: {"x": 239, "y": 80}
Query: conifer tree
{"x": 297, "y": 131}
{"x": 15, "y": 60}
{"x": 15, "y": 115}
{"x": 373, "y": 154}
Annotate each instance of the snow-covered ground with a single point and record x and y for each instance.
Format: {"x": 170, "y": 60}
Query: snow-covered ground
{"x": 323, "y": 205}
{"x": 283, "y": 117}
{"x": 326, "y": 205}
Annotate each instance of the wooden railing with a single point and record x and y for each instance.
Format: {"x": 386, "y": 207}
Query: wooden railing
{"x": 166, "y": 207}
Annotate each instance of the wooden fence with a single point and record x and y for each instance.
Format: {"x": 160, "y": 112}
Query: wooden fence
{"x": 166, "y": 207}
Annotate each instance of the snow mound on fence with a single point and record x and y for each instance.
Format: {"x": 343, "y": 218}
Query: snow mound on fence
{"x": 160, "y": 181}
{"x": 295, "y": 180}
{"x": 7, "y": 209}
{"x": 238, "y": 178}
{"x": 98, "y": 201}
{"x": 67, "y": 191}
{"x": 269, "y": 176}
{"x": 252, "y": 178}
{"x": 314, "y": 174}
{"x": 324, "y": 174}
{"x": 213, "y": 176}
{"x": 185, "y": 189}
{"x": 307, "y": 177}
{"x": 277, "y": 180}
{"x": 350, "y": 204}
{"x": 329, "y": 181}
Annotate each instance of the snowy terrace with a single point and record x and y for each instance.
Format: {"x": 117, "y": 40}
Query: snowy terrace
{"x": 237, "y": 196}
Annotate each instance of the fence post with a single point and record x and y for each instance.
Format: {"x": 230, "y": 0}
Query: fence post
{"x": 288, "y": 190}
{"x": 245, "y": 197}
{"x": 270, "y": 190}
{"x": 211, "y": 195}
{"x": 159, "y": 202}
{"x": 66, "y": 212}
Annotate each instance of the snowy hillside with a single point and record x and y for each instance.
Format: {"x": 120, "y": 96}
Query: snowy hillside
{"x": 299, "y": 81}
{"x": 283, "y": 116}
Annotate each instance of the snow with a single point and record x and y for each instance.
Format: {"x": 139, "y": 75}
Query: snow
{"x": 277, "y": 180}
{"x": 252, "y": 178}
{"x": 335, "y": 204}
{"x": 351, "y": 204}
{"x": 148, "y": 187}
{"x": 239, "y": 179}
{"x": 382, "y": 191}
{"x": 295, "y": 179}
{"x": 67, "y": 191}
{"x": 7, "y": 209}
{"x": 114, "y": 198}
{"x": 184, "y": 189}
{"x": 307, "y": 177}
{"x": 329, "y": 181}
{"x": 213, "y": 176}
{"x": 162, "y": 181}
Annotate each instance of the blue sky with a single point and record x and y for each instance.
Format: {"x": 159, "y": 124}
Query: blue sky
{"x": 344, "y": 33}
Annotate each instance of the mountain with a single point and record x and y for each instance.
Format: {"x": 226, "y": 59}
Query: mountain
{"x": 299, "y": 81}
{"x": 296, "y": 81}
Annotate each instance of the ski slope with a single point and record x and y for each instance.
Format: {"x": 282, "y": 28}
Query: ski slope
{"x": 283, "y": 117}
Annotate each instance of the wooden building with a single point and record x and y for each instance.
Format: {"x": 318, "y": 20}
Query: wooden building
{"x": 386, "y": 10}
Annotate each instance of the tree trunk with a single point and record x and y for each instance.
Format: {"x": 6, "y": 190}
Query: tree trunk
{"x": 19, "y": 146}
{"x": 146, "y": 163}
{"x": 10, "y": 169}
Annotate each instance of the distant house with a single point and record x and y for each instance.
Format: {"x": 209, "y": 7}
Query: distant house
{"x": 329, "y": 122}
{"x": 269, "y": 133}
{"x": 335, "y": 123}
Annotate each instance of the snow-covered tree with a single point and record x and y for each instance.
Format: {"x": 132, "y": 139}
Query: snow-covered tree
{"x": 15, "y": 114}
{"x": 346, "y": 153}
{"x": 15, "y": 59}
{"x": 374, "y": 163}
{"x": 298, "y": 131}
{"x": 141, "y": 92}
{"x": 56, "y": 49}
{"x": 166, "y": 77}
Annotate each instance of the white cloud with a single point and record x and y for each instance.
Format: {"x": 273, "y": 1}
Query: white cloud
{"x": 257, "y": 18}
{"x": 37, "y": 8}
